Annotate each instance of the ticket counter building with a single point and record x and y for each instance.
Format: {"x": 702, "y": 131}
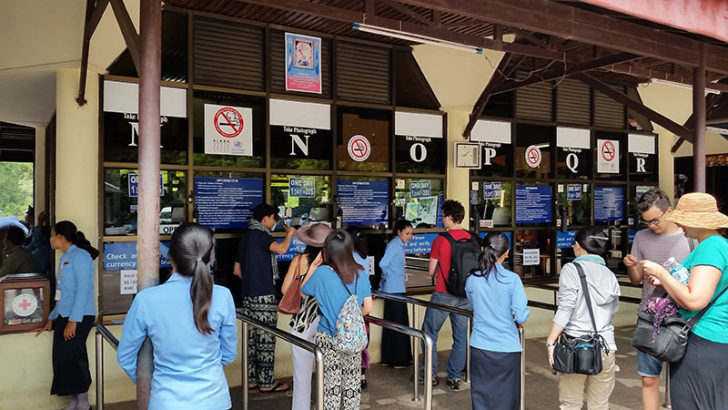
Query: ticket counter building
{"x": 538, "y": 133}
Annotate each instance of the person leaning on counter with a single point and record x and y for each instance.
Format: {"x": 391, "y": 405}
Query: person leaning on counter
{"x": 17, "y": 259}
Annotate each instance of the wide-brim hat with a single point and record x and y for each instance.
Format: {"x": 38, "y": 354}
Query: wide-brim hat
{"x": 698, "y": 210}
{"x": 314, "y": 234}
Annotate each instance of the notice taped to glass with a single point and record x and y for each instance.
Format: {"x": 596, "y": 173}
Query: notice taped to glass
{"x": 227, "y": 202}
{"x": 363, "y": 202}
{"x": 533, "y": 204}
{"x": 608, "y": 203}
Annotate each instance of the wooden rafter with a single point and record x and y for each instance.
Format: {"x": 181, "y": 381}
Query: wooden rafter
{"x": 639, "y": 71}
{"x": 713, "y": 103}
{"x": 94, "y": 12}
{"x": 409, "y": 12}
{"x": 128, "y": 31}
{"x": 636, "y": 106}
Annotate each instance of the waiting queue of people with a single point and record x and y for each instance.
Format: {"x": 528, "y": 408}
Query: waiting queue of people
{"x": 194, "y": 346}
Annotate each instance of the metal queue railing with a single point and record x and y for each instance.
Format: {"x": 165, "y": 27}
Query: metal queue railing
{"x": 302, "y": 343}
{"x": 627, "y": 299}
{"x": 415, "y": 320}
{"x": 427, "y": 341}
{"x": 102, "y": 333}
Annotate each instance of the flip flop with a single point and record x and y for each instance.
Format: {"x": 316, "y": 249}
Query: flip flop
{"x": 276, "y": 388}
{"x": 252, "y": 386}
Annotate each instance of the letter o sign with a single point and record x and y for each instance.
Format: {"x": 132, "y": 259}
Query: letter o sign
{"x": 418, "y": 152}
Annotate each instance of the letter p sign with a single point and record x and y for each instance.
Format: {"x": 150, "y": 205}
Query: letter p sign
{"x": 488, "y": 154}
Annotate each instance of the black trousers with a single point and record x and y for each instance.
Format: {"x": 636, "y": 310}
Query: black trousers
{"x": 699, "y": 381}
{"x": 396, "y": 349}
{"x": 496, "y": 380}
{"x": 71, "y": 374}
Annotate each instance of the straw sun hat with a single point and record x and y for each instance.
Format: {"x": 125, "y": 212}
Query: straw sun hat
{"x": 698, "y": 210}
{"x": 314, "y": 234}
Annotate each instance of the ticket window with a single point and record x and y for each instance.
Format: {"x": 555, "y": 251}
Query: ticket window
{"x": 301, "y": 199}
{"x": 419, "y": 201}
{"x": 573, "y": 205}
{"x": 492, "y": 201}
{"x": 531, "y": 253}
{"x": 609, "y": 153}
{"x": 564, "y": 248}
{"x": 363, "y": 142}
{"x": 643, "y": 163}
{"x": 534, "y": 150}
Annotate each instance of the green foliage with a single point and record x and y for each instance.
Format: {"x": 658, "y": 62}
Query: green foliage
{"x": 16, "y": 188}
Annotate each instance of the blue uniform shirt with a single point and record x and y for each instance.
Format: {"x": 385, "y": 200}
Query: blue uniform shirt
{"x": 188, "y": 366}
{"x": 328, "y": 289}
{"x": 392, "y": 264}
{"x": 497, "y": 301}
{"x": 75, "y": 281}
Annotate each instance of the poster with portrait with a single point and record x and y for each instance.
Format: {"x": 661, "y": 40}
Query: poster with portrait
{"x": 303, "y": 63}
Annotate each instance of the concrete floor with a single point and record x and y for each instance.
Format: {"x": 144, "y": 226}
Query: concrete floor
{"x": 391, "y": 389}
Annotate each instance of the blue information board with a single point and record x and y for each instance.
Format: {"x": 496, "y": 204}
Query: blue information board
{"x": 294, "y": 249}
{"x": 419, "y": 189}
{"x": 123, "y": 255}
{"x": 608, "y": 203}
{"x": 133, "y": 182}
{"x": 363, "y": 202}
{"x": 573, "y": 192}
{"x": 533, "y": 204}
{"x": 492, "y": 190}
{"x": 420, "y": 243}
{"x": 565, "y": 239}
{"x": 301, "y": 187}
{"x": 630, "y": 235}
{"x": 227, "y": 202}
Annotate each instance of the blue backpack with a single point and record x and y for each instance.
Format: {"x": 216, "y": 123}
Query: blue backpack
{"x": 350, "y": 334}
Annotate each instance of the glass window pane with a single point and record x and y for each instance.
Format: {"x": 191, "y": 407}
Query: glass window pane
{"x": 534, "y": 145}
{"x": 301, "y": 198}
{"x": 610, "y": 149}
{"x": 419, "y": 201}
{"x": 532, "y": 253}
{"x": 493, "y": 203}
{"x": 120, "y": 201}
{"x": 421, "y": 155}
{"x": 575, "y": 201}
{"x": 363, "y": 143}
{"x": 239, "y": 183}
{"x": 362, "y": 201}
{"x": 642, "y": 167}
{"x": 300, "y": 148}
{"x": 121, "y": 138}
{"x": 534, "y": 204}
{"x": 234, "y": 136}
{"x": 497, "y": 160}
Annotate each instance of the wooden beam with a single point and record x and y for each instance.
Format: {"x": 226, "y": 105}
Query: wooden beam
{"x": 560, "y": 72}
{"x": 484, "y": 97}
{"x": 128, "y": 31}
{"x": 713, "y": 103}
{"x": 409, "y": 12}
{"x": 639, "y": 71}
{"x": 351, "y": 16}
{"x": 94, "y": 12}
{"x": 622, "y": 98}
{"x": 569, "y": 22}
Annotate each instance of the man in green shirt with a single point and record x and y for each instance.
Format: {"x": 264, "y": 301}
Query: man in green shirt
{"x": 17, "y": 259}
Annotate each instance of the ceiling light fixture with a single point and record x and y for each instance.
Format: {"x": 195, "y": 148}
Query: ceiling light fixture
{"x": 419, "y": 38}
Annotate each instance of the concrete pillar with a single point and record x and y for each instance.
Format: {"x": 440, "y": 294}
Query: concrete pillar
{"x": 458, "y": 179}
{"x": 39, "y": 171}
{"x": 77, "y": 153}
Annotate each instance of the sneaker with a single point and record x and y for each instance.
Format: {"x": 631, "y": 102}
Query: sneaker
{"x": 435, "y": 380}
{"x": 453, "y": 384}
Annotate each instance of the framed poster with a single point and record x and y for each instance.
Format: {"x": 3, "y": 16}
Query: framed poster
{"x": 303, "y": 63}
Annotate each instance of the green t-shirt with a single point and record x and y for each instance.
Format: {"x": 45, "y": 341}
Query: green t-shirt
{"x": 713, "y": 326}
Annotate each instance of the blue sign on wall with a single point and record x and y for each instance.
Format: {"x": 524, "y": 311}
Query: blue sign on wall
{"x": 608, "y": 203}
{"x": 294, "y": 249}
{"x": 630, "y": 235}
{"x": 227, "y": 202}
{"x": 420, "y": 243}
{"x": 492, "y": 190}
{"x": 573, "y": 192}
{"x": 533, "y": 204}
{"x": 419, "y": 189}
{"x": 123, "y": 255}
{"x": 565, "y": 239}
{"x": 363, "y": 202}
{"x": 301, "y": 187}
{"x": 133, "y": 179}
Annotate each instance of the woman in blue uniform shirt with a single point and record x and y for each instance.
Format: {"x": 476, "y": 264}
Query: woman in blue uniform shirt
{"x": 395, "y": 346}
{"x": 499, "y": 303}
{"x": 191, "y": 324}
{"x": 73, "y": 316}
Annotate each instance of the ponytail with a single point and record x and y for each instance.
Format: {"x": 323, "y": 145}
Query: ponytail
{"x": 494, "y": 246}
{"x": 68, "y": 230}
{"x": 190, "y": 249}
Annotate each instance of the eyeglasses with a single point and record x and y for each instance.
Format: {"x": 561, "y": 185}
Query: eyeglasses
{"x": 653, "y": 221}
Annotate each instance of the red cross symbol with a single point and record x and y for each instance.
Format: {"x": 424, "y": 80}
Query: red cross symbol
{"x": 25, "y": 304}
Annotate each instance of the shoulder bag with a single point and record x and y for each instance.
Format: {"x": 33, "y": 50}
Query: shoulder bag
{"x": 291, "y": 302}
{"x": 672, "y": 335}
{"x": 580, "y": 354}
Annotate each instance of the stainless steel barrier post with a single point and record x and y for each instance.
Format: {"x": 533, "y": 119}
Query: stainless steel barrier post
{"x": 245, "y": 364}
{"x": 99, "y": 371}
{"x": 416, "y": 355}
{"x": 467, "y": 350}
{"x": 319, "y": 358}
{"x": 428, "y": 372}
{"x": 522, "y": 335}
{"x": 668, "y": 401}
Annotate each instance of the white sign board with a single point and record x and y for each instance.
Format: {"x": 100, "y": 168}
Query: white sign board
{"x": 608, "y": 156}
{"x": 531, "y": 257}
{"x": 370, "y": 262}
{"x": 228, "y": 130}
{"x": 128, "y": 282}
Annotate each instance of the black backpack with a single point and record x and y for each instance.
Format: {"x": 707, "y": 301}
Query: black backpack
{"x": 464, "y": 255}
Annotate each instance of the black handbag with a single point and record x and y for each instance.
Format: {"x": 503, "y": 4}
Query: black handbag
{"x": 672, "y": 336}
{"x": 580, "y": 354}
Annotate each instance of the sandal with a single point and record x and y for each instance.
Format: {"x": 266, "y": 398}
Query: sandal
{"x": 252, "y": 386}
{"x": 276, "y": 388}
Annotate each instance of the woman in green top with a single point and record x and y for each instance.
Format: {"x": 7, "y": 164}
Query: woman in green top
{"x": 700, "y": 379}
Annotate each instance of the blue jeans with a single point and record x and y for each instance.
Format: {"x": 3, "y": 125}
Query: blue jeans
{"x": 434, "y": 320}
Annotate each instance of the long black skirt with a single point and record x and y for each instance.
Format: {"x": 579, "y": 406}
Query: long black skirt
{"x": 699, "y": 381}
{"x": 71, "y": 374}
{"x": 396, "y": 349}
{"x": 496, "y": 379}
